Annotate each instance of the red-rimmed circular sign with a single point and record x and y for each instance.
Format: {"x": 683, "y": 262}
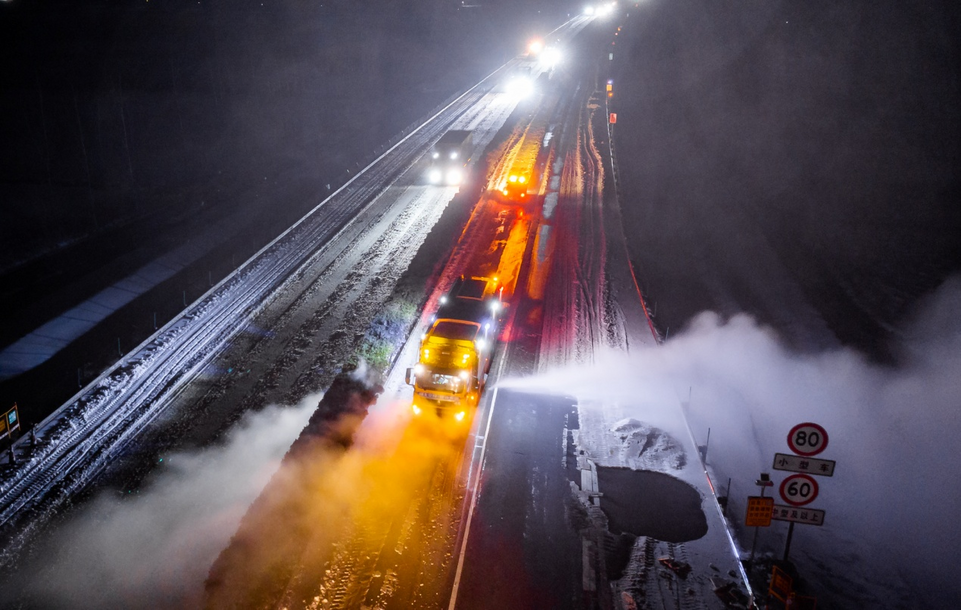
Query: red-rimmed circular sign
{"x": 799, "y": 489}
{"x": 807, "y": 439}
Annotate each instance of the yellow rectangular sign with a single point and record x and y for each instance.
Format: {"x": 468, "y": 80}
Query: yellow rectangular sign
{"x": 759, "y": 511}
{"x": 781, "y": 584}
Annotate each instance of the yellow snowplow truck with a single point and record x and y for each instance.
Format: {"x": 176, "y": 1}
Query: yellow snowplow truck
{"x": 455, "y": 353}
{"x": 517, "y": 184}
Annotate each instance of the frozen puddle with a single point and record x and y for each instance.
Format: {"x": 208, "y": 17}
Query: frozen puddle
{"x": 646, "y": 503}
{"x": 653, "y": 528}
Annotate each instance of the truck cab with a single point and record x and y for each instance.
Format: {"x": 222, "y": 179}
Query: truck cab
{"x": 450, "y": 371}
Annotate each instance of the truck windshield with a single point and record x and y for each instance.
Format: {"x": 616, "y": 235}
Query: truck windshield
{"x": 472, "y": 289}
{"x": 439, "y": 381}
{"x": 456, "y": 331}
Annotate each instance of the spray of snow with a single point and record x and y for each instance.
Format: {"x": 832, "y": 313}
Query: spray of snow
{"x": 154, "y": 549}
{"x": 891, "y": 506}
{"x": 328, "y": 512}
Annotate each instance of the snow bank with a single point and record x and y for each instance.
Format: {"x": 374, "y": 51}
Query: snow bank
{"x": 891, "y": 506}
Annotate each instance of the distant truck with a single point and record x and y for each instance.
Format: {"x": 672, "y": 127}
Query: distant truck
{"x": 516, "y": 185}
{"x": 455, "y": 353}
{"x": 523, "y": 173}
{"x": 449, "y": 157}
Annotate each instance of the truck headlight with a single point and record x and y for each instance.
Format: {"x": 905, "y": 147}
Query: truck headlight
{"x": 434, "y": 176}
{"x": 453, "y": 176}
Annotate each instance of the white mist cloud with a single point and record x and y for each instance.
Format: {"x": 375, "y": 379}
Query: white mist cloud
{"x": 155, "y": 549}
{"x": 892, "y": 517}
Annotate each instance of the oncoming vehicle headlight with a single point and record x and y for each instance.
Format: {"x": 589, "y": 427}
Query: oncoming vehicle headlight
{"x": 464, "y": 375}
{"x": 434, "y": 176}
{"x": 520, "y": 88}
{"x": 480, "y": 343}
{"x": 550, "y": 57}
{"x": 418, "y": 369}
{"x": 435, "y": 155}
{"x": 453, "y": 154}
{"x": 453, "y": 176}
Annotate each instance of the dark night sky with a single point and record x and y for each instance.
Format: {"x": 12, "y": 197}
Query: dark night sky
{"x": 117, "y": 109}
{"x": 820, "y": 135}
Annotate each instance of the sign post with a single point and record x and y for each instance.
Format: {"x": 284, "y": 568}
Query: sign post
{"x": 798, "y": 490}
{"x": 764, "y": 482}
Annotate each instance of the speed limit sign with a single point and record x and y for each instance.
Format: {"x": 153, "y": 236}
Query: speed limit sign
{"x": 799, "y": 489}
{"x": 807, "y": 439}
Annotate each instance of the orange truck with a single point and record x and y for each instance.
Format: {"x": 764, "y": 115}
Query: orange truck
{"x": 455, "y": 353}
{"x": 517, "y": 184}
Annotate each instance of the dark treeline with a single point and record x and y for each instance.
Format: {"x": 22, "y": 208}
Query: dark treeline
{"x": 113, "y": 110}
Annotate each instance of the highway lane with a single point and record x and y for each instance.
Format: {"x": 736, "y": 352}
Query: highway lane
{"x": 523, "y": 549}
{"x": 569, "y": 509}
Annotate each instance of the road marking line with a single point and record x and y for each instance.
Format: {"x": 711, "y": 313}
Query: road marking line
{"x": 473, "y": 503}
